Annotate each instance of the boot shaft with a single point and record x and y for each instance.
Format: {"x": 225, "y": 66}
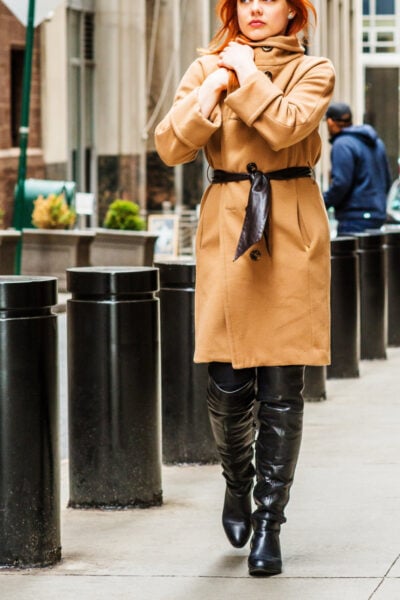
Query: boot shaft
{"x": 232, "y": 424}
{"x": 280, "y": 418}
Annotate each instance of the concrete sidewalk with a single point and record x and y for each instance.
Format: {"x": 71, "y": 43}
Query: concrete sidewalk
{"x": 341, "y": 541}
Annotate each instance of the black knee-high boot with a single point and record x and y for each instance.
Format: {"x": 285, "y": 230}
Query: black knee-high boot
{"x": 277, "y": 447}
{"x": 232, "y": 423}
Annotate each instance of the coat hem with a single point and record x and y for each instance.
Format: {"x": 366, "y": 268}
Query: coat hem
{"x": 322, "y": 361}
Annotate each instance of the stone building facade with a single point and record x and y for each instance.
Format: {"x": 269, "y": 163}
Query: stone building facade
{"x": 104, "y": 74}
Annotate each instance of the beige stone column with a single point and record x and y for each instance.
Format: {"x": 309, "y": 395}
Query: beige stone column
{"x": 176, "y": 29}
{"x": 54, "y": 75}
{"x": 337, "y": 36}
{"x": 121, "y": 90}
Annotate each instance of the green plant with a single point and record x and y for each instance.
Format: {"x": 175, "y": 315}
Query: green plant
{"x": 52, "y": 212}
{"x": 124, "y": 214}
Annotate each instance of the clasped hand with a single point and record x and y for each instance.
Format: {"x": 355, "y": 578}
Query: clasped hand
{"x": 237, "y": 57}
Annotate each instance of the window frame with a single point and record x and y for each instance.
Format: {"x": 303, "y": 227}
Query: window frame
{"x": 81, "y": 89}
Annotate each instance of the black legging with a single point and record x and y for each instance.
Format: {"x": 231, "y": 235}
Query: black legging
{"x": 230, "y": 379}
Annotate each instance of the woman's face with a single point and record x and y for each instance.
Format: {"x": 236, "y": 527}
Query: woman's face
{"x": 260, "y": 19}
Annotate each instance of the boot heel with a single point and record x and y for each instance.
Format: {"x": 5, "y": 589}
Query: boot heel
{"x": 265, "y": 557}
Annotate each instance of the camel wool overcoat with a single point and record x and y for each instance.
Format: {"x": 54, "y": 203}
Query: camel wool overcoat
{"x": 267, "y": 308}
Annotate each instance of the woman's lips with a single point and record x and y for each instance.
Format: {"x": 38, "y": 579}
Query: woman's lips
{"x": 257, "y": 23}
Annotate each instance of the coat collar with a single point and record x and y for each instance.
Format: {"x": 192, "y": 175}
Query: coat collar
{"x": 290, "y": 43}
{"x": 279, "y": 50}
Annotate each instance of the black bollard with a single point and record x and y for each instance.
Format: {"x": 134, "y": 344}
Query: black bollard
{"x": 314, "y": 384}
{"x": 114, "y": 387}
{"x": 187, "y": 436}
{"x": 29, "y": 458}
{"x": 393, "y": 273}
{"x": 345, "y": 309}
{"x": 373, "y": 294}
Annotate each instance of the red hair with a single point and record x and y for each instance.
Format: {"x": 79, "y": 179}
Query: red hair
{"x": 229, "y": 30}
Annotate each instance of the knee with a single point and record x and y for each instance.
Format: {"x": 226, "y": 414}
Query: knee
{"x": 283, "y": 385}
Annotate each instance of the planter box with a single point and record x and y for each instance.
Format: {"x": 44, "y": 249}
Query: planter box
{"x": 51, "y": 251}
{"x": 113, "y": 247}
{"x": 8, "y": 245}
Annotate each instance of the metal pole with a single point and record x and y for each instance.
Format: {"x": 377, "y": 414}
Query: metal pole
{"x": 176, "y": 28}
{"x": 24, "y": 132}
{"x": 139, "y": 16}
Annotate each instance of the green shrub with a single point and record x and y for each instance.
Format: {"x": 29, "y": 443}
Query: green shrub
{"x": 124, "y": 214}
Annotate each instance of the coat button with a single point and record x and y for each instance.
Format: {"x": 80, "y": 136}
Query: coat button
{"x": 267, "y": 48}
{"x": 255, "y": 255}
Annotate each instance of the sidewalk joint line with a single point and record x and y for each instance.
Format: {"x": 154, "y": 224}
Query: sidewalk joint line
{"x": 392, "y": 565}
{"x": 384, "y": 577}
{"x": 52, "y": 573}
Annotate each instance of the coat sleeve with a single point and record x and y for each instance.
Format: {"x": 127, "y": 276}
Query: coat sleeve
{"x": 285, "y": 118}
{"x": 342, "y": 174}
{"x": 184, "y": 130}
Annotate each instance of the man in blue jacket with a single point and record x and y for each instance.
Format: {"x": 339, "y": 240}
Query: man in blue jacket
{"x": 360, "y": 175}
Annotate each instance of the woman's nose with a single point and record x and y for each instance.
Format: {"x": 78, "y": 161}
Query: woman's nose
{"x": 256, "y": 6}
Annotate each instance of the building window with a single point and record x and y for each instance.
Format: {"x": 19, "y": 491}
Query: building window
{"x": 81, "y": 57}
{"x": 379, "y": 7}
{"x": 385, "y": 7}
{"x": 381, "y": 26}
{"x": 17, "y": 68}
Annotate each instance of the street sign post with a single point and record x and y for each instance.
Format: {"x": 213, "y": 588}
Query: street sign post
{"x": 23, "y": 133}
{"x": 31, "y": 13}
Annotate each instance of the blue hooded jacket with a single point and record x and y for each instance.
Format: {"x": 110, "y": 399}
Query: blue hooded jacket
{"x": 360, "y": 175}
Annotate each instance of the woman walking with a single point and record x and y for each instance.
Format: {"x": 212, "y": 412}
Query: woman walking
{"x": 253, "y": 101}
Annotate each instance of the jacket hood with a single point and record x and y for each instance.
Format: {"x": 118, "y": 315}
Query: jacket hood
{"x": 365, "y": 133}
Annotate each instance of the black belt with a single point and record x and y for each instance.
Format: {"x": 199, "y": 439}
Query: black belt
{"x": 255, "y": 224}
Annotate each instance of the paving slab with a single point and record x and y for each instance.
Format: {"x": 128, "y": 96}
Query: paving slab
{"x": 395, "y": 569}
{"x": 388, "y": 590}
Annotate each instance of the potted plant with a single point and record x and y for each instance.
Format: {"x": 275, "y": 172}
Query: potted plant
{"x": 52, "y": 212}
{"x": 124, "y": 214}
{"x": 52, "y": 246}
{"x": 123, "y": 240}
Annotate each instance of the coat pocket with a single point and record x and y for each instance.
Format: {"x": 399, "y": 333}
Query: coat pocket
{"x": 208, "y": 228}
{"x": 302, "y": 227}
